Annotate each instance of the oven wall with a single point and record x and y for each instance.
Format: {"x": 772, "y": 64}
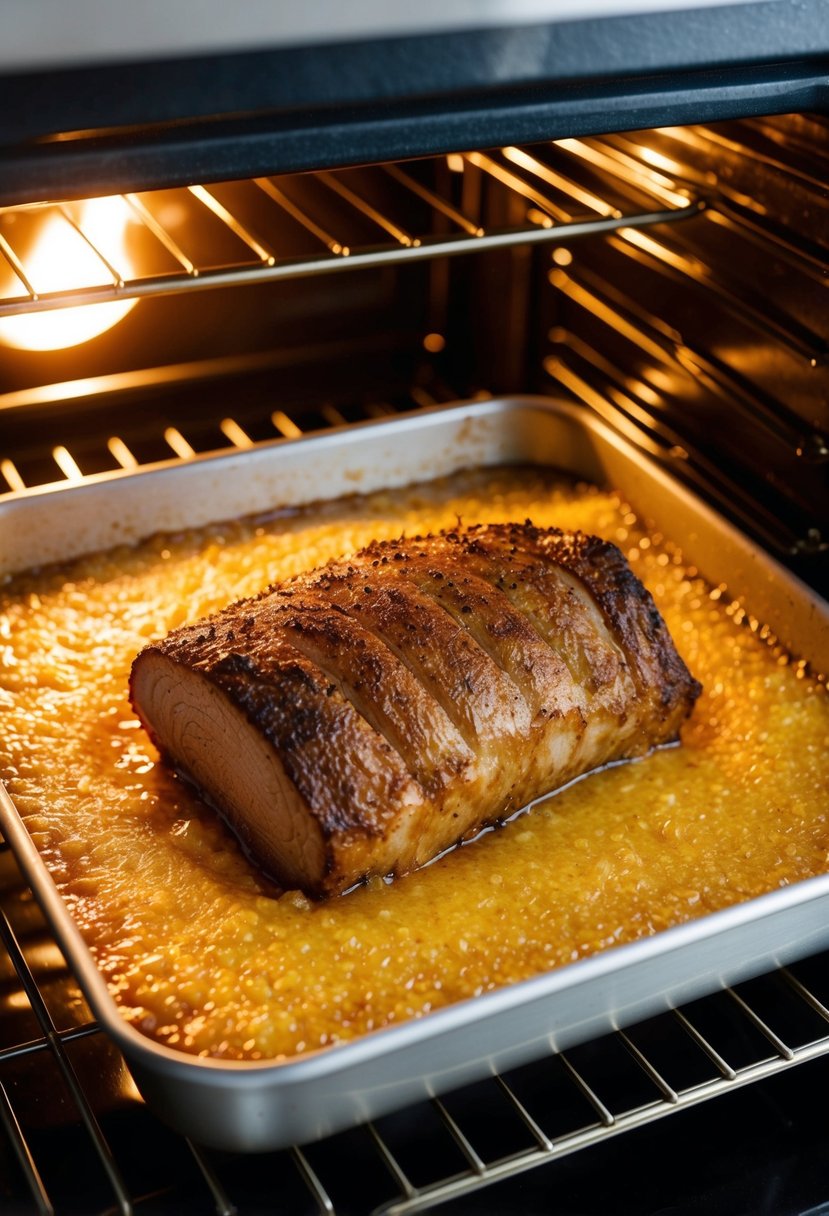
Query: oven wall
{"x": 709, "y": 337}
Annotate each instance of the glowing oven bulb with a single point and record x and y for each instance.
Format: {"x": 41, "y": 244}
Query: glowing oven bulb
{"x": 60, "y": 261}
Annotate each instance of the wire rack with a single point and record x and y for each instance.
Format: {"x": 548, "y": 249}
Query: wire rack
{"x": 163, "y": 242}
{"x": 144, "y": 438}
{"x": 74, "y": 1135}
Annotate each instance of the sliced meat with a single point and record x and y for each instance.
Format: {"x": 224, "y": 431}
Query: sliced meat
{"x": 363, "y": 718}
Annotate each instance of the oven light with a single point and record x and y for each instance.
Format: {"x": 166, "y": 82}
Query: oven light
{"x": 61, "y": 261}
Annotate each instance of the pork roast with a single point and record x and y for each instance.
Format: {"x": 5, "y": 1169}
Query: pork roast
{"x": 363, "y": 718}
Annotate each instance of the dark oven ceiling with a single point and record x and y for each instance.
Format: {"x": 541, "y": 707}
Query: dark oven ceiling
{"x": 86, "y": 130}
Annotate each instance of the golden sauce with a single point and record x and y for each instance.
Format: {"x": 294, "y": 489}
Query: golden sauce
{"x": 204, "y": 954}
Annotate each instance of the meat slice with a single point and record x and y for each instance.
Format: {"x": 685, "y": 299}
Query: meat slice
{"x": 363, "y": 718}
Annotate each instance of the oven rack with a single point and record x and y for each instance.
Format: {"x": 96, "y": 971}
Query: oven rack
{"x": 415, "y": 1161}
{"x": 62, "y": 254}
{"x": 72, "y": 456}
{"x": 178, "y": 435}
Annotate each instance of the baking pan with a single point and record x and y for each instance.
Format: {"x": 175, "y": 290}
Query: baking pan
{"x": 259, "y": 1105}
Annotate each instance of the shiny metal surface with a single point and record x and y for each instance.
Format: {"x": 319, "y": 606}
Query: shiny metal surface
{"x": 251, "y": 1106}
{"x": 239, "y": 233}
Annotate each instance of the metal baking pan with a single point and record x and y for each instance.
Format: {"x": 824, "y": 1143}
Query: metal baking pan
{"x": 256, "y": 1106}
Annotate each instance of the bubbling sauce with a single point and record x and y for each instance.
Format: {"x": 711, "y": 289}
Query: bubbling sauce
{"x": 203, "y": 953}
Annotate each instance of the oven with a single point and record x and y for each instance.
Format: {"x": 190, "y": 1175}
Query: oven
{"x": 219, "y": 234}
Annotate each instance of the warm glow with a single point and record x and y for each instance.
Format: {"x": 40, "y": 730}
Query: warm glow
{"x": 237, "y": 436}
{"x": 62, "y": 261}
{"x": 285, "y": 425}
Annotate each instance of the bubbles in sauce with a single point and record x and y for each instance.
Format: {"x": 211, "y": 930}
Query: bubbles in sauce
{"x": 202, "y": 953}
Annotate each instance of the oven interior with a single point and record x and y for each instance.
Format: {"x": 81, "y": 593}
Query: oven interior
{"x": 670, "y": 280}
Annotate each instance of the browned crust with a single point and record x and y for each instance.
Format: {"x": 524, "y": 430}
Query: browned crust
{"x": 297, "y": 711}
{"x": 425, "y": 677}
{"x": 625, "y": 602}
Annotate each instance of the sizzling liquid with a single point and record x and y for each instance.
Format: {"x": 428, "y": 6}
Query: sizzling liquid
{"x": 204, "y": 954}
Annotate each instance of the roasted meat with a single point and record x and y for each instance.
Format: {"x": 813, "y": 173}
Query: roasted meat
{"x": 363, "y": 718}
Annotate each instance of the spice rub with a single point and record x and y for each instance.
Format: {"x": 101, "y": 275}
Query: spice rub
{"x": 359, "y": 720}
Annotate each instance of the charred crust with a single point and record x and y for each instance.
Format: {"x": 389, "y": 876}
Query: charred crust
{"x": 234, "y": 664}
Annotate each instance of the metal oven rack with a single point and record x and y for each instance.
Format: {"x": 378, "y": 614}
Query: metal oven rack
{"x": 234, "y": 234}
{"x": 92, "y": 1147}
{"x": 295, "y": 226}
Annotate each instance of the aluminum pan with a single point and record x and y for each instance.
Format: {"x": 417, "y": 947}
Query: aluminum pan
{"x": 255, "y": 1106}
